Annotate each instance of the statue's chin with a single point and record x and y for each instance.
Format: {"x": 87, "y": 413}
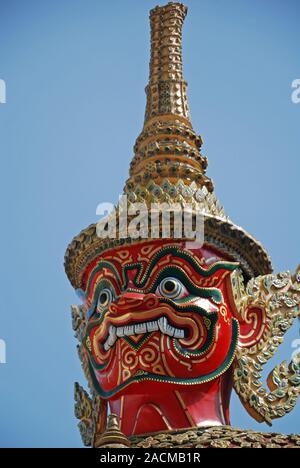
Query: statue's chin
{"x": 145, "y": 369}
{"x": 142, "y": 381}
{"x": 147, "y": 387}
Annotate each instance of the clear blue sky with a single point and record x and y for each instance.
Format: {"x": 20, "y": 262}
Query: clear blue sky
{"x": 75, "y": 72}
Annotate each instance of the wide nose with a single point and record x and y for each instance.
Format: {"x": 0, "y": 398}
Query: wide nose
{"x": 137, "y": 300}
{"x": 131, "y": 295}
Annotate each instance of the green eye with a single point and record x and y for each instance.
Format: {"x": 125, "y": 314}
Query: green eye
{"x": 105, "y": 298}
{"x": 171, "y": 288}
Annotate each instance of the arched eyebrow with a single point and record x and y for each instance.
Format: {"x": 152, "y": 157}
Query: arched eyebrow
{"x": 141, "y": 278}
{"x": 101, "y": 265}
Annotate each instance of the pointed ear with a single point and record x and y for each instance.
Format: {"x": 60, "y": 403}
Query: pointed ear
{"x": 266, "y": 310}
{"x": 252, "y": 318}
{"x": 252, "y": 326}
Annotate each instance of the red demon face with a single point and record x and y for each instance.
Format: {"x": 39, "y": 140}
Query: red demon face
{"x": 158, "y": 316}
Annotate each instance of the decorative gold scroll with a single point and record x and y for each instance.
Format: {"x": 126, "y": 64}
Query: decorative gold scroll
{"x": 91, "y": 411}
{"x": 278, "y": 299}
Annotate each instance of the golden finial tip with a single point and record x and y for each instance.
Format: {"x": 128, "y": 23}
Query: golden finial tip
{"x": 169, "y": 5}
{"x": 113, "y": 437}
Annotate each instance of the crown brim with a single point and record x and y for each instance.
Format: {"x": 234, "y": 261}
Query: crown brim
{"x": 228, "y": 238}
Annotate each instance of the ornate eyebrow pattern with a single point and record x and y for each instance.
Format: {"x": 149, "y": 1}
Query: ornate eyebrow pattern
{"x": 208, "y": 293}
{"x": 101, "y": 265}
{"x": 141, "y": 279}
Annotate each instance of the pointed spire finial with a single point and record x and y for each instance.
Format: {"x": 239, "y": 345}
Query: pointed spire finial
{"x": 167, "y": 162}
{"x": 166, "y": 91}
{"x": 112, "y": 437}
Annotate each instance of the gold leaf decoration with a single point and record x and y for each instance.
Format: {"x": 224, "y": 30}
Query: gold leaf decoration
{"x": 90, "y": 410}
{"x": 278, "y": 299}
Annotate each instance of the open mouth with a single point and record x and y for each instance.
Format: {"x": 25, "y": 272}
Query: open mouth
{"x": 162, "y": 324}
{"x": 134, "y": 326}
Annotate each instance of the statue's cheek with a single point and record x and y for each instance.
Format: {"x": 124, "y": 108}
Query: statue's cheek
{"x": 205, "y": 351}
{"x": 252, "y": 327}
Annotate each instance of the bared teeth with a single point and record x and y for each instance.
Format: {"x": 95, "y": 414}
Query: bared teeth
{"x": 152, "y": 326}
{"x": 161, "y": 324}
{"x": 179, "y": 333}
{"x": 129, "y": 330}
{"x": 112, "y": 338}
{"x": 140, "y": 328}
{"x": 120, "y": 332}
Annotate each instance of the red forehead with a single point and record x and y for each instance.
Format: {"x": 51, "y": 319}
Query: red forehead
{"x": 144, "y": 252}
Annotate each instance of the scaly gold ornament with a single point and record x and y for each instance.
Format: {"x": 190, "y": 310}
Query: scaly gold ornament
{"x": 167, "y": 166}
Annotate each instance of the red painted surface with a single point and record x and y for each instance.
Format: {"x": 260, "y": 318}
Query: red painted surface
{"x": 149, "y": 406}
{"x": 202, "y": 405}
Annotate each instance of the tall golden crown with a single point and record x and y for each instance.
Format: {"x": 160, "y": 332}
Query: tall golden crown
{"x": 167, "y": 165}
